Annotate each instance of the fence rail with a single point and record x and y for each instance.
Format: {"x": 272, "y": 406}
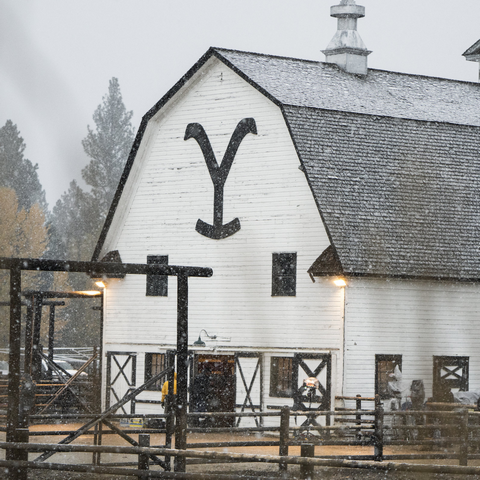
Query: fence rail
{"x": 458, "y": 429}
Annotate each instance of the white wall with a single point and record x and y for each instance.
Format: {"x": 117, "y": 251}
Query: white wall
{"x": 417, "y": 319}
{"x": 170, "y": 188}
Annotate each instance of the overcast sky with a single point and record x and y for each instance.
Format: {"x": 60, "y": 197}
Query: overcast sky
{"x": 57, "y": 56}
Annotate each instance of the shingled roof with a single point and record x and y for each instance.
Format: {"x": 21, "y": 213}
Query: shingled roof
{"x": 306, "y": 83}
{"x": 392, "y": 161}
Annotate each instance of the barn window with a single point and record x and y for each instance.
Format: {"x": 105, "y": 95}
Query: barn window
{"x": 154, "y": 364}
{"x": 384, "y": 369}
{"x": 281, "y": 376}
{"x": 157, "y": 285}
{"x": 284, "y": 274}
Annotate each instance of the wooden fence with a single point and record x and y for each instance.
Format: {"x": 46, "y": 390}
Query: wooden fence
{"x": 449, "y": 431}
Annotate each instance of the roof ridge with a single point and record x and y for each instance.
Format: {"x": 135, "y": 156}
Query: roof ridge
{"x": 330, "y": 65}
{"x": 258, "y": 54}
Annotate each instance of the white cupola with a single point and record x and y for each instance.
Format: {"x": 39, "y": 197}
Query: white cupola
{"x": 346, "y": 48}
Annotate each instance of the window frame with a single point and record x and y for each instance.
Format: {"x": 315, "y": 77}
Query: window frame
{"x": 284, "y": 284}
{"x": 275, "y": 391}
{"x": 148, "y": 373}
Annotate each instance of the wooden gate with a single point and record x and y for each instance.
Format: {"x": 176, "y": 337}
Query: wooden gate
{"x": 121, "y": 378}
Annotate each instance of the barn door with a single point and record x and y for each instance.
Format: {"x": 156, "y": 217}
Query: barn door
{"x": 121, "y": 378}
{"x": 314, "y": 365}
{"x": 249, "y": 379}
{"x": 220, "y": 394}
{"x": 449, "y": 373}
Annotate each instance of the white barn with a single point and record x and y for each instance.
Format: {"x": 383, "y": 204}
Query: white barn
{"x": 283, "y": 176}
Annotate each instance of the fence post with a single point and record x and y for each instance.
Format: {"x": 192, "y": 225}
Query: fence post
{"x": 306, "y": 471}
{"x": 378, "y": 452}
{"x": 170, "y": 407}
{"x": 284, "y": 433}
{"x": 358, "y": 407}
{"x": 97, "y": 440}
{"x": 463, "y": 427}
{"x": 143, "y": 441}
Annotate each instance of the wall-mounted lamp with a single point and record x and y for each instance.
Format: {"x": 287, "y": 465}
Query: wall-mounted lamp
{"x": 340, "y": 282}
{"x": 200, "y": 342}
{"x": 100, "y": 284}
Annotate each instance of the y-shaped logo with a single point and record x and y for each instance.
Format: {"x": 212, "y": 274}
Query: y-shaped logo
{"x": 219, "y": 174}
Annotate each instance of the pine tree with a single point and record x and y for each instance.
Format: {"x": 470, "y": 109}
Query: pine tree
{"x": 108, "y": 146}
{"x": 17, "y": 172}
{"x": 79, "y": 215}
{"x": 77, "y": 223}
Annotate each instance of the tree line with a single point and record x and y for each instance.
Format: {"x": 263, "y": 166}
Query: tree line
{"x": 70, "y": 230}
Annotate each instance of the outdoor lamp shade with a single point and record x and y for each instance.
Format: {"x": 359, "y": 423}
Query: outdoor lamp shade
{"x": 199, "y": 342}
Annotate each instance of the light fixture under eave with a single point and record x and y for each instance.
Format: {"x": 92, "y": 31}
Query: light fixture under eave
{"x": 340, "y": 282}
{"x": 91, "y": 293}
{"x": 200, "y": 342}
{"x": 100, "y": 284}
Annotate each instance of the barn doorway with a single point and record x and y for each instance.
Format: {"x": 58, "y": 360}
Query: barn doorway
{"x": 450, "y": 374}
{"x": 213, "y": 387}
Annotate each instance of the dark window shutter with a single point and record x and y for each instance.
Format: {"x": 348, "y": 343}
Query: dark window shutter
{"x": 154, "y": 364}
{"x": 281, "y": 376}
{"x": 157, "y": 285}
{"x": 284, "y": 274}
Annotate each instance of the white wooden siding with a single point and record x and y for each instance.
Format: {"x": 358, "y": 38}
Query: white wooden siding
{"x": 413, "y": 318}
{"x": 171, "y": 189}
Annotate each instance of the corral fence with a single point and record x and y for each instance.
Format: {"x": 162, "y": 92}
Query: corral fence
{"x": 445, "y": 431}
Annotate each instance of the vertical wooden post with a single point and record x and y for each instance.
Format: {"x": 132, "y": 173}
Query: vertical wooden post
{"x": 14, "y": 421}
{"x": 358, "y": 407}
{"x": 284, "y": 433}
{"x": 96, "y": 382}
{"x": 463, "y": 447}
{"x": 306, "y": 471}
{"x": 170, "y": 407}
{"x": 182, "y": 371}
{"x": 36, "y": 367}
{"x": 97, "y": 440}
{"x": 108, "y": 377}
{"x": 143, "y": 441}
{"x": 378, "y": 452}
{"x": 27, "y": 361}
{"x": 51, "y": 336}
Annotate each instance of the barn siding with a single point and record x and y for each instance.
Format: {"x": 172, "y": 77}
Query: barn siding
{"x": 417, "y": 319}
{"x": 171, "y": 189}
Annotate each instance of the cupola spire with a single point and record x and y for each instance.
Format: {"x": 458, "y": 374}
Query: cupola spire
{"x": 346, "y": 49}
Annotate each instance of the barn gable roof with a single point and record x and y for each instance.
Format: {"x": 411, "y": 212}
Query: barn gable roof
{"x": 392, "y": 161}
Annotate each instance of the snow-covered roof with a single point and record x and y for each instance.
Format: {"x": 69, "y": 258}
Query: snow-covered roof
{"x": 392, "y": 160}
{"x": 305, "y": 83}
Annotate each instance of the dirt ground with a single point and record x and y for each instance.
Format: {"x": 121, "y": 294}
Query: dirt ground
{"x": 247, "y": 470}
